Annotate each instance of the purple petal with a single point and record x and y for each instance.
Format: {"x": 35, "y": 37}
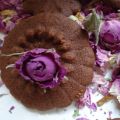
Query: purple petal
{"x": 110, "y": 35}
{"x": 98, "y": 79}
{"x": 82, "y": 118}
{"x": 41, "y": 66}
{"x": 115, "y": 88}
{"x": 93, "y": 107}
{"x": 86, "y": 100}
{"x": 15, "y": 5}
{"x": 102, "y": 56}
{"x": 104, "y": 89}
{"x": 11, "y": 109}
{"x": 9, "y": 26}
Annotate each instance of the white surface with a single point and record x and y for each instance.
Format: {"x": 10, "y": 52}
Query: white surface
{"x": 22, "y": 113}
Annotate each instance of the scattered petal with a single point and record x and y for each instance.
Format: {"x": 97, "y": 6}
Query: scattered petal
{"x": 86, "y": 101}
{"x": 11, "y": 109}
{"x": 104, "y": 89}
{"x": 93, "y": 107}
{"x": 102, "y": 56}
{"x": 110, "y": 113}
{"x": 82, "y": 118}
{"x": 115, "y": 88}
{"x": 98, "y": 79}
{"x": 108, "y": 75}
{"x": 9, "y": 26}
{"x": 11, "y": 12}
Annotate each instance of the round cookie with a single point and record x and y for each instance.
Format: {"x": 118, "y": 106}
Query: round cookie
{"x": 66, "y": 7}
{"x": 70, "y": 42}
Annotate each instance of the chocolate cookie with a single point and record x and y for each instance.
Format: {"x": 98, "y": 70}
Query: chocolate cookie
{"x": 66, "y": 7}
{"x": 70, "y": 42}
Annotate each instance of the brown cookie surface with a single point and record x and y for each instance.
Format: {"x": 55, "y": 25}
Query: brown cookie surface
{"x": 70, "y": 42}
{"x": 66, "y": 7}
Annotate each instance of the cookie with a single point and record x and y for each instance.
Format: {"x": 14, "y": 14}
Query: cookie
{"x": 69, "y": 41}
{"x": 66, "y": 7}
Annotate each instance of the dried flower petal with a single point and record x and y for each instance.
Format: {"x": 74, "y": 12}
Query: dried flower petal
{"x": 41, "y": 66}
{"x": 82, "y": 118}
{"x": 98, "y": 79}
{"x": 86, "y": 101}
{"x": 110, "y": 35}
{"x": 11, "y": 109}
{"x": 115, "y": 88}
{"x": 11, "y": 12}
{"x": 102, "y": 56}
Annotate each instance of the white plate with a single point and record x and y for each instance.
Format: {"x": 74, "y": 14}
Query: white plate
{"x": 22, "y": 113}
